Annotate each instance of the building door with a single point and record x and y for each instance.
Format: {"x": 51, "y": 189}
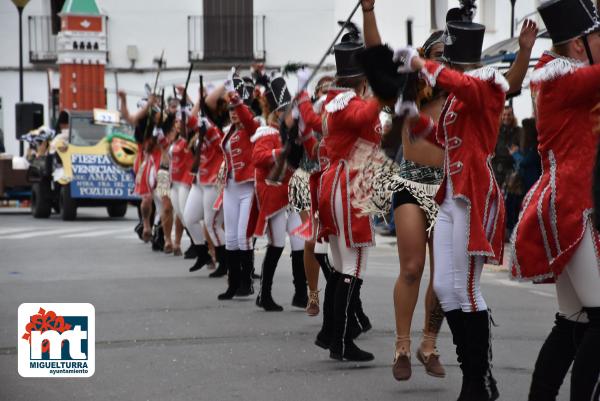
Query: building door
{"x": 228, "y": 30}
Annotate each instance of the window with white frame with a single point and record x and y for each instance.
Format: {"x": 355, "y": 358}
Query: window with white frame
{"x": 439, "y": 8}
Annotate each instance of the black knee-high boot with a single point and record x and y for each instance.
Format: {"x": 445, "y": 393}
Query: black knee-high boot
{"x": 585, "y": 377}
{"x": 202, "y": 257}
{"x": 265, "y": 299}
{"x": 342, "y": 346}
{"x": 246, "y": 281}
{"x": 363, "y": 319}
{"x": 221, "y": 269}
{"x": 234, "y": 271}
{"x": 456, "y": 322}
{"x": 481, "y": 385}
{"x": 324, "y": 337}
{"x": 326, "y": 267}
{"x": 300, "y": 298}
{"x": 555, "y": 358}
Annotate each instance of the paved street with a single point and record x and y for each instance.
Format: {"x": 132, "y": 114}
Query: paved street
{"x": 162, "y": 335}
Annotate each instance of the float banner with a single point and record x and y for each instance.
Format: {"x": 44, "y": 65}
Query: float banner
{"x": 97, "y": 177}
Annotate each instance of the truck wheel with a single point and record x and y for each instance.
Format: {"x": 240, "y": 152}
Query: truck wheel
{"x": 68, "y": 205}
{"x": 117, "y": 209}
{"x": 40, "y": 200}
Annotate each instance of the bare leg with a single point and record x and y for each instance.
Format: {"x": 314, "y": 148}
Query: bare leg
{"x": 178, "y": 233}
{"x": 311, "y": 266}
{"x": 166, "y": 219}
{"x": 434, "y": 315}
{"x": 412, "y": 239}
{"x": 146, "y": 208}
{"x": 211, "y": 246}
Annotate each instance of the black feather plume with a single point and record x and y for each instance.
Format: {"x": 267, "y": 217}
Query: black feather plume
{"x": 292, "y": 68}
{"x": 353, "y": 34}
{"x": 466, "y": 12}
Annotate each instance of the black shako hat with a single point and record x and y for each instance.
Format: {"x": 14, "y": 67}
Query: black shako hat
{"x": 277, "y": 94}
{"x": 346, "y": 52}
{"x": 569, "y": 19}
{"x": 463, "y": 41}
{"x": 382, "y": 72}
{"x": 245, "y": 88}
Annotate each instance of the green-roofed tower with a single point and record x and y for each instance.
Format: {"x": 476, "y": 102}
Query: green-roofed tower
{"x": 82, "y": 50}
{"x": 81, "y": 7}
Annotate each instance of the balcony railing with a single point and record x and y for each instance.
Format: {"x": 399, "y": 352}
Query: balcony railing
{"x": 42, "y": 42}
{"x": 226, "y": 38}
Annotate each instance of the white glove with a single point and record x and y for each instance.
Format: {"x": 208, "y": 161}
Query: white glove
{"x": 203, "y": 122}
{"x": 303, "y": 74}
{"x": 405, "y": 108}
{"x": 229, "y": 81}
{"x": 405, "y": 55}
{"x": 158, "y": 133}
{"x": 295, "y": 112}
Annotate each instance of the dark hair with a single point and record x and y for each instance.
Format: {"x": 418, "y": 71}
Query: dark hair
{"x": 434, "y": 38}
{"x": 350, "y": 82}
{"x": 529, "y": 137}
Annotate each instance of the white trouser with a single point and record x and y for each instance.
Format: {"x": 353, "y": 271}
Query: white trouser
{"x": 237, "y": 202}
{"x": 350, "y": 261}
{"x": 320, "y": 247}
{"x": 179, "y": 194}
{"x": 578, "y": 285}
{"x": 198, "y": 208}
{"x": 193, "y": 214}
{"x": 457, "y": 275}
{"x": 281, "y": 223}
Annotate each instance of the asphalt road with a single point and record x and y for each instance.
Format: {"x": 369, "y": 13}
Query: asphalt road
{"x": 162, "y": 335}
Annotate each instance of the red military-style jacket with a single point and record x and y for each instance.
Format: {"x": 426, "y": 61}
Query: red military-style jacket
{"x": 181, "y": 162}
{"x": 547, "y": 57}
{"x": 211, "y": 156}
{"x": 313, "y": 120}
{"x": 238, "y": 158}
{"x": 468, "y": 131}
{"x": 270, "y": 197}
{"x": 351, "y": 127}
{"x": 557, "y": 209}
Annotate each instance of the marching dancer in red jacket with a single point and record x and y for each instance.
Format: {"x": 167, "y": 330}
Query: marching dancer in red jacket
{"x": 351, "y": 129}
{"x": 203, "y": 194}
{"x": 272, "y": 201}
{"x": 469, "y": 228}
{"x": 555, "y": 238}
{"x": 238, "y": 194}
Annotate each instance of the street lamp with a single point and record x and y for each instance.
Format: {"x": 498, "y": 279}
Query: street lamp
{"x": 20, "y": 6}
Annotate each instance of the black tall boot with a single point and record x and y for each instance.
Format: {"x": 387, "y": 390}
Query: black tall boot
{"x": 342, "y": 346}
{"x": 265, "y": 298}
{"x": 324, "y": 337}
{"x": 300, "y": 299}
{"x": 234, "y": 272}
{"x": 246, "y": 281}
{"x": 456, "y": 322}
{"x": 191, "y": 252}
{"x": 222, "y": 268}
{"x": 202, "y": 257}
{"x": 363, "y": 319}
{"x": 481, "y": 384}
{"x": 586, "y": 367}
{"x": 326, "y": 267}
{"x": 555, "y": 358}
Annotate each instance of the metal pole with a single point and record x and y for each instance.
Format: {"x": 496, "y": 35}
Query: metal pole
{"x": 512, "y": 18}
{"x": 20, "y": 9}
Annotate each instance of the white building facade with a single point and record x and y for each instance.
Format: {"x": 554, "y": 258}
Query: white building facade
{"x": 214, "y": 34}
